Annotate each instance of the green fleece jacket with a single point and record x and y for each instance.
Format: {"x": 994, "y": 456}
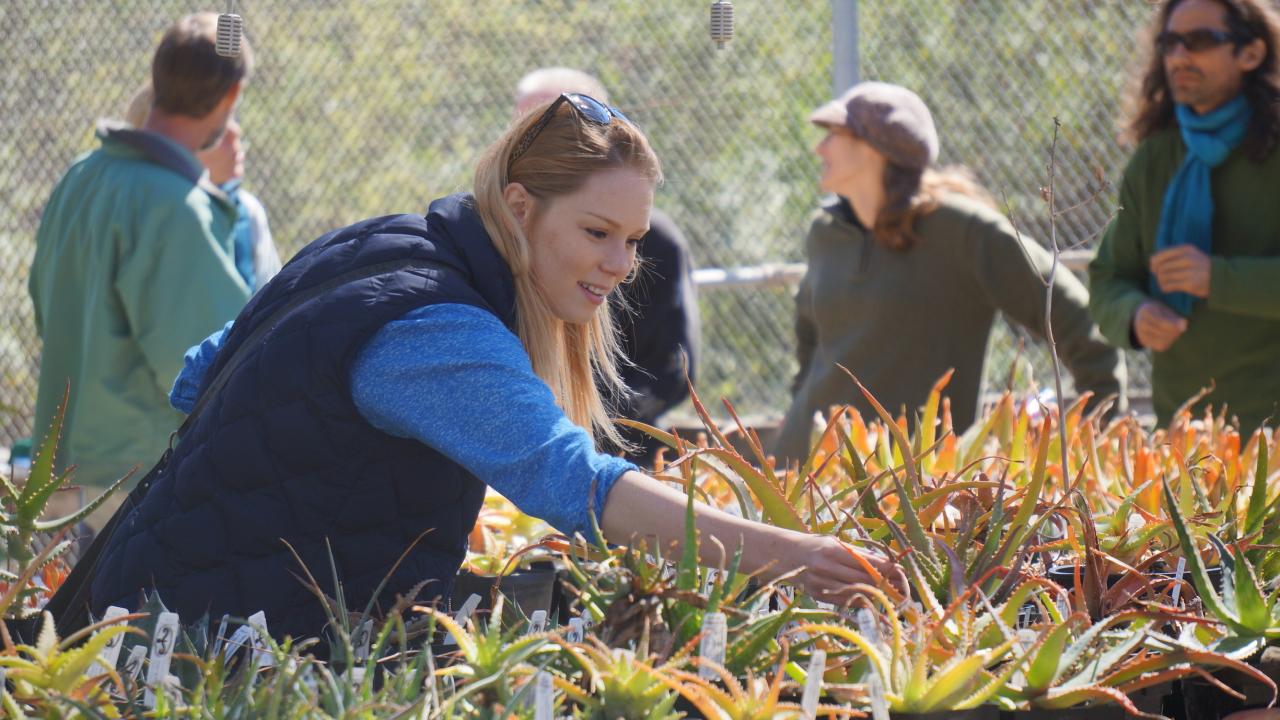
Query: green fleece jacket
{"x": 899, "y": 320}
{"x": 133, "y": 265}
{"x": 1233, "y": 338}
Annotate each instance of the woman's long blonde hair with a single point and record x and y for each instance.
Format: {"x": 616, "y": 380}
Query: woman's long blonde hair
{"x": 578, "y": 362}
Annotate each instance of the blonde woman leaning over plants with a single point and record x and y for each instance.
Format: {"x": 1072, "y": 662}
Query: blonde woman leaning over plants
{"x": 368, "y": 394}
{"x": 908, "y": 266}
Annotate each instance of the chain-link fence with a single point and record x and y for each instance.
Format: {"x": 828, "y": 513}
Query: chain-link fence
{"x": 364, "y": 107}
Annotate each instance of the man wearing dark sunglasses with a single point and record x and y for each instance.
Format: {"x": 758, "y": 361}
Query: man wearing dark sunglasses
{"x": 660, "y": 327}
{"x": 1190, "y": 267}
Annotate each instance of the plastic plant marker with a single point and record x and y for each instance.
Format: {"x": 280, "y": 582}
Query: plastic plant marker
{"x": 576, "y": 630}
{"x": 879, "y": 705}
{"x": 361, "y": 639}
{"x": 715, "y": 630}
{"x": 357, "y": 676}
{"x": 110, "y": 654}
{"x": 868, "y": 626}
{"x": 1026, "y": 639}
{"x": 133, "y": 664}
{"x": 813, "y": 685}
{"x": 257, "y": 640}
{"x": 162, "y": 644}
{"x": 543, "y": 707}
{"x": 537, "y": 622}
{"x": 240, "y": 638}
{"x": 1177, "y": 579}
{"x": 468, "y": 606}
{"x": 220, "y": 639}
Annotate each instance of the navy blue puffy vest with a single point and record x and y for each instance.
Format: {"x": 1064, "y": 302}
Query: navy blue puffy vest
{"x": 281, "y": 453}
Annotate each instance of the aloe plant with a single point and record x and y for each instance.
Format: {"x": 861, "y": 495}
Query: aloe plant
{"x": 491, "y": 659}
{"x": 52, "y": 675}
{"x": 22, "y": 510}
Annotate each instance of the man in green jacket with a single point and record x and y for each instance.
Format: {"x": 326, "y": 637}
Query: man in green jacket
{"x": 134, "y": 263}
{"x": 1190, "y": 268}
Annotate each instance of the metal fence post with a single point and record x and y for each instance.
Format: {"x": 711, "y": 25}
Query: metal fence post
{"x": 844, "y": 37}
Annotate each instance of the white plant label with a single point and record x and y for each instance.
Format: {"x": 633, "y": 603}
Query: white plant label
{"x": 110, "y": 654}
{"x": 1177, "y": 577}
{"x": 134, "y": 662}
{"x": 868, "y": 626}
{"x": 879, "y": 706}
{"x": 357, "y": 676}
{"x": 361, "y": 639}
{"x": 709, "y": 583}
{"x": 162, "y": 645}
{"x": 220, "y": 640}
{"x": 262, "y": 656}
{"x": 464, "y": 611}
{"x": 577, "y": 630}
{"x": 1026, "y": 640}
{"x": 715, "y": 634}
{"x": 813, "y": 685}
{"x": 537, "y": 622}
{"x": 543, "y": 699}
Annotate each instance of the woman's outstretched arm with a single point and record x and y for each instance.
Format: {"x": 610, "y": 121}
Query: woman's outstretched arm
{"x": 640, "y": 506}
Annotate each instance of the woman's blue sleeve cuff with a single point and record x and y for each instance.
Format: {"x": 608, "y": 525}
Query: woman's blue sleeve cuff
{"x": 195, "y": 363}
{"x": 611, "y": 469}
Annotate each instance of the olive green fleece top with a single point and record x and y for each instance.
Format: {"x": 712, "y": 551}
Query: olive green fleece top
{"x": 133, "y": 265}
{"x": 1233, "y": 338}
{"x": 899, "y": 320}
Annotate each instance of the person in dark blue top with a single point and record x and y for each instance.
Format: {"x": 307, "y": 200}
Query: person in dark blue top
{"x": 359, "y": 405}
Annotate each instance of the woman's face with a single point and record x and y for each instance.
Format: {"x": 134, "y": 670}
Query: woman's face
{"x": 846, "y": 161}
{"x": 584, "y": 244}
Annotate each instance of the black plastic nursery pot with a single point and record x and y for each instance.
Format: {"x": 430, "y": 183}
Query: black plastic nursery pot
{"x": 526, "y": 591}
{"x": 1153, "y": 699}
{"x": 982, "y": 712}
{"x": 1088, "y": 712}
{"x": 1064, "y": 576}
{"x": 1202, "y": 699}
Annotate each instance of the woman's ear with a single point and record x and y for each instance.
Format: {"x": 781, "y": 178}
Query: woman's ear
{"x": 519, "y": 200}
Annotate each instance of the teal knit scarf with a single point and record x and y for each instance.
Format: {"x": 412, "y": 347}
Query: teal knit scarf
{"x": 1187, "y": 215}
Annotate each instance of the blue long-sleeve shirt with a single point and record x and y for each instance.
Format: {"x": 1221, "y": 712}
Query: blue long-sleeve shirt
{"x": 453, "y": 377}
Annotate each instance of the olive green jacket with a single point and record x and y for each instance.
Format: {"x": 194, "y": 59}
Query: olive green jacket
{"x": 1233, "y": 338}
{"x": 900, "y": 320}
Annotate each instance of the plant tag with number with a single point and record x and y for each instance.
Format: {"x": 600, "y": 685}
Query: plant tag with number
{"x": 262, "y": 656}
{"x": 361, "y": 639}
{"x": 110, "y": 654}
{"x": 709, "y": 583}
{"x": 715, "y": 632}
{"x": 577, "y": 630}
{"x": 162, "y": 646}
{"x": 134, "y": 662}
{"x": 537, "y": 622}
{"x": 813, "y": 685}
{"x": 464, "y": 611}
{"x": 543, "y": 699}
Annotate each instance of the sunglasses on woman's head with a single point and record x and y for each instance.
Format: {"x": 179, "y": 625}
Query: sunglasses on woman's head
{"x": 1195, "y": 40}
{"x": 587, "y": 107}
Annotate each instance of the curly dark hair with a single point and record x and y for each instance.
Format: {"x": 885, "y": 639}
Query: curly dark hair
{"x": 1150, "y": 106}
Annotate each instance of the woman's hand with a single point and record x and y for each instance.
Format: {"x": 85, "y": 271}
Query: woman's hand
{"x": 832, "y": 567}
